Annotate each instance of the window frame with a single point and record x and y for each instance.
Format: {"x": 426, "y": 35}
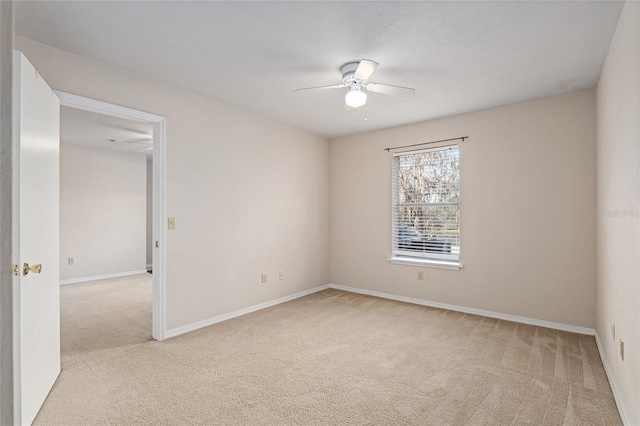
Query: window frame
{"x": 409, "y": 257}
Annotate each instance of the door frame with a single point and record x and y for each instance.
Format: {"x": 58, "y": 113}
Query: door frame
{"x": 159, "y": 183}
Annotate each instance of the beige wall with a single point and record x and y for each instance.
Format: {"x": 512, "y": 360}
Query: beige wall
{"x": 103, "y": 211}
{"x": 527, "y": 211}
{"x": 6, "y": 258}
{"x": 618, "y": 150}
{"x": 250, "y": 195}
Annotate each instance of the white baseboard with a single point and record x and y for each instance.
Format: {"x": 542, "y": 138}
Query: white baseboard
{"x": 490, "y": 314}
{"x": 210, "y": 321}
{"x": 616, "y": 394}
{"x": 102, "y": 277}
{"x": 507, "y": 317}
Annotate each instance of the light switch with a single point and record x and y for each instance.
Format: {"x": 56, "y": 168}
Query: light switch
{"x": 171, "y": 223}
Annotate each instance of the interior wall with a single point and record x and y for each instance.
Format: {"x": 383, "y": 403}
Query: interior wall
{"x": 527, "y": 211}
{"x": 103, "y": 212}
{"x": 149, "y": 230}
{"x": 6, "y": 277}
{"x": 618, "y": 154}
{"x": 250, "y": 195}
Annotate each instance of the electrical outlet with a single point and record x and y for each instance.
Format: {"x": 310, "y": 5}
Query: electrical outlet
{"x": 621, "y": 350}
{"x": 171, "y": 223}
{"x": 421, "y": 275}
{"x": 613, "y": 332}
{"x": 264, "y": 278}
{"x": 71, "y": 261}
{"x": 282, "y": 275}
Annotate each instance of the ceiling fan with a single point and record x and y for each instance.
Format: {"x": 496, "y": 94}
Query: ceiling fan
{"x": 147, "y": 140}
{"x": 355, "y": 75}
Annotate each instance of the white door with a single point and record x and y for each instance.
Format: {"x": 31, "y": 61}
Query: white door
{"x": 36, "y": 303}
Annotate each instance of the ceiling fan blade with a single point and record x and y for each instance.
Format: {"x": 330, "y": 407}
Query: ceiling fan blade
{"x": 388, "y": 89}
{"x": 310, "y": 89}
{"x": 365, "y": 68}
{"x": 136, "y": 134}
{"x": 142, "y": 142}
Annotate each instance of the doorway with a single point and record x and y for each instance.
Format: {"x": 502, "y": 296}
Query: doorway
{"x": 151, "y": 148}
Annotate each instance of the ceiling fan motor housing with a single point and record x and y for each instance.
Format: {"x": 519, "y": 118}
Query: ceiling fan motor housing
{"x": 348, "y": 73}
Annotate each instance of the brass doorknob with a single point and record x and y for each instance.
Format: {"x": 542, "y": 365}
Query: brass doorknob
{"x": 36, "y": 269}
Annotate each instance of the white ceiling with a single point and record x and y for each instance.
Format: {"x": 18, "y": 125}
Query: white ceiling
{"x": 98, "y": 131}
{"x": 460, "y": 56}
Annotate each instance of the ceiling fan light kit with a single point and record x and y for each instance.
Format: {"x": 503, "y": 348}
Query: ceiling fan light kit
{"x": 355, "y": 97}
{"x": 355, "y": 75}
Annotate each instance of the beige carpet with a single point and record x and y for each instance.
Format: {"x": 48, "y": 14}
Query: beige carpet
{"x": 101, "y": 315}
{"x": 326, "y": 359}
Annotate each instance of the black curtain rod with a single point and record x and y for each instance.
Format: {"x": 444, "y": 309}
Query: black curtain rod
{"x": 462, "y": 138}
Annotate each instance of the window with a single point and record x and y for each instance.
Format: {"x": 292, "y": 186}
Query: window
{"x": 426, "y": 205}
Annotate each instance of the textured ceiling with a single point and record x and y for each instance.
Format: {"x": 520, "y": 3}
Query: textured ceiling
{"x": 459, "y": 56}
{"x": 100, "y": 131}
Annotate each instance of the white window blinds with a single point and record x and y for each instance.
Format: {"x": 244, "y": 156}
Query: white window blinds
{"x": 426, "y": 204}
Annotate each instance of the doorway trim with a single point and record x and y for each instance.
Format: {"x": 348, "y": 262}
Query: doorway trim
{"x": 159, "y": 182}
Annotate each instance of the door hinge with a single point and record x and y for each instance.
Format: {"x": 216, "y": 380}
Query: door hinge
{"x": 157, "y": 243}
{"x": 15, "y": 269}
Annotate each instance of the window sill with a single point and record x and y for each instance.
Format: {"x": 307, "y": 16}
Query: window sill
{"x": 425, "y": 263}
